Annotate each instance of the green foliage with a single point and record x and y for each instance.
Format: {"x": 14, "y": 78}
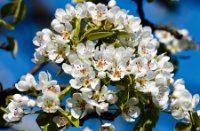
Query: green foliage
{"x": 77, "y": 30}
{"x": 189, "y": 126}
{"x": 196, "y": 119}
{"x": 148, "y": 119}
{"x": 181, "y": 126}
{"x": 45, "y": 122}
{"x": 12, "y": 46}
{"x": 99, "y": 35}
{"x": 64, "y": 92}
{"x": 2, "y": 121}
{"x": 20, "y": 11}
{"x": 6, "y": 25}
{"x": 17, "y": 9}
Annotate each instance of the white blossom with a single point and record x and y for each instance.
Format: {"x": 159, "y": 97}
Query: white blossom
{"x": 79, "y": 106}
{"x": 14, "y": 112}
{"x": 49, "y": 102}
{"x": 27, "y": 82}
{"x": 107, "y": 127}
{"x": 131, "y": 110}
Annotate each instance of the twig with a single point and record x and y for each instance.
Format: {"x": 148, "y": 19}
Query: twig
{"x": 154, "y": 27}
{"x": 4, "y": 47}
{"x": 109, "y": 116}
{"x": 12, "y": 90}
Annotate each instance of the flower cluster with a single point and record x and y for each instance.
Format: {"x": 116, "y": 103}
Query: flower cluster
{"x": 101, "y": 47}
{"x": 182, "y": 102}
{"x": 48, "y": 101}
{"x": 172, "y": 44}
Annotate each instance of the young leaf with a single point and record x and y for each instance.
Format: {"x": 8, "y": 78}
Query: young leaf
{"x": 45, "y": 122}
{"x": 8, "y": 9}
{"x": 180, "y": 126}
{"x": 2, "y": 121}
{"x": 148, "y": 119}
{"x": 59, "y": 73}
{"x": 6, "y": 25}
{"x": 99, "y": 35}
{"x": 64, "y": 92}
{"x": 20, "y": 11}
{"x": 74, "y": 121}
{"x": 196, "y": 119}
{"x": 77, "y": 30}
{"x": 42, "y": 119}
{"x": 12, "y": 45}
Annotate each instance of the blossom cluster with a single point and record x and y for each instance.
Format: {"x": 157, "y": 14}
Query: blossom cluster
{"x": 48, "y": 100}
{"x": 173, "y": 44}
{"x": 101, "y": 47}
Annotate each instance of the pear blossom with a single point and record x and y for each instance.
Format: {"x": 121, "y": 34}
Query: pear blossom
{"x": 164, "y": 36}
{"x": 46, "y": 84}
{"x": 79, "y": 106}
{"x": 42, "y": 37}
{"x": 86, "y": 51}
{"x": 14, "y": 112}
{"x": 78, "y": 69}
{"x": 31, "y": 103}
{"x": 126, "y": 60}
{"x": 182, "y": 101}
{"x": 131, "y": 110}
{"x": 107, "y": 127}
{"x": 49, "y": 102}
{"x": 87, "y": 129}
{"x": 111, "y": 3}
{"x": 61, "y": 121}
{"x": 27, "y": 82}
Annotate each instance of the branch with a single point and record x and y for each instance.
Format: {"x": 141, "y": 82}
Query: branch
{"x": 109, "y": 116}
{"x": 154, "y": 27}
{"x": 4, "y": 47}
{"x": 12, "y": 90}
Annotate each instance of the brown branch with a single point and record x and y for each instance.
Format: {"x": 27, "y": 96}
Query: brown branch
{"x": 4, "y": 47}
{"x": 154, "y": 27}
{"x": 109, "y": 116}
{"x": 12, "y": 90}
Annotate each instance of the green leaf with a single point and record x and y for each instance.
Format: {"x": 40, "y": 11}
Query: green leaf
{"x": 12, "y": 45}
{"x": 99, "y": 35}
{"x": 74, "y": 121}
{"x": 45, "y": 122}
{"x": 51, "y": 127}
{"x": 125, "y": 34}
{"x": 59, "y": 73}
{"x": 180, "y": 126}
{"x": 88, "y": 32}
{"x": 3, "y": 109}
{"x": 64, "y": 92}
{"x": 2, "y": 121}
{"x": 6, "y": 25}
{"x": 20, "y": 11}
{"x": 42, "y": 119}
{"x": 8, "y": 9}
{"x": 77, "y": 30}
{"x": 148, "y": 119}
{"x": 196, "y": 119}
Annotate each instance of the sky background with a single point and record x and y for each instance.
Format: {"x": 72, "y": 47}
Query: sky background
{"x": 185, "y": 16}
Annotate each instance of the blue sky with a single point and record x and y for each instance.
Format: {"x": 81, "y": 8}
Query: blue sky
{"x": 187, "y": 16}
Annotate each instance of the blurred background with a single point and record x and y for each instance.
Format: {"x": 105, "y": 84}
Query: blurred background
{"x": 180, "y": 14}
